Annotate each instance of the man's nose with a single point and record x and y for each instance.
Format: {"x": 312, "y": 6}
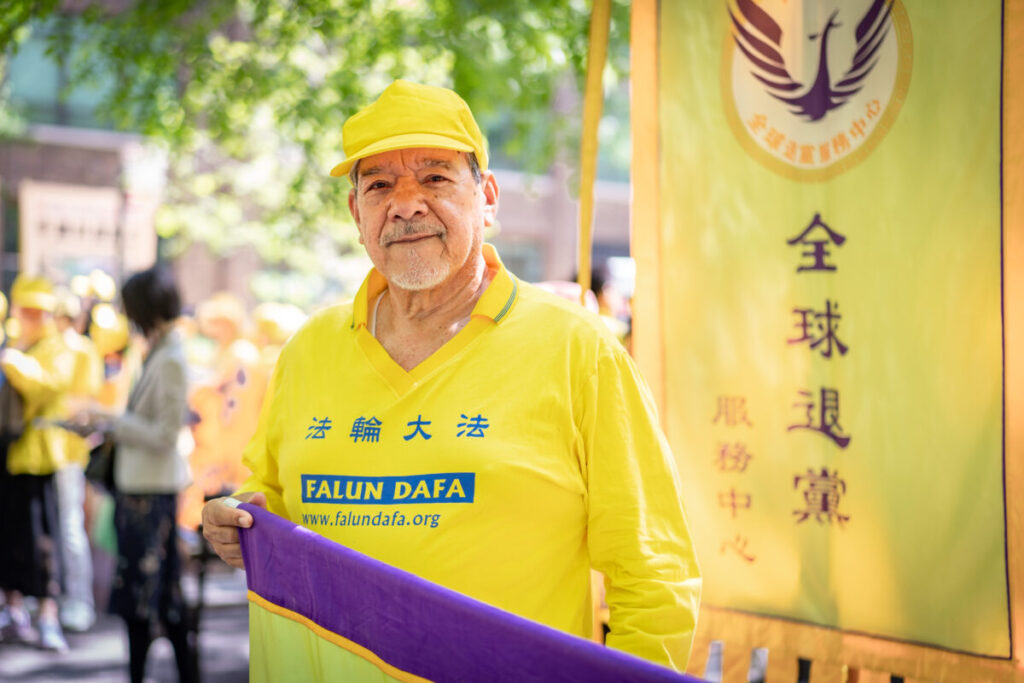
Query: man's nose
{"x": 407, "y": 200}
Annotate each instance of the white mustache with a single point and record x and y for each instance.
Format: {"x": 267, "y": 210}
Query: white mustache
{"x": 412, "y": 228}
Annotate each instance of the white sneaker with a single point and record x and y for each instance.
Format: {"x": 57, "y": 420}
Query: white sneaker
{"x": 77, "y": 616}
{"x": 51, "y": 637}
{"x": 16, "y": 626}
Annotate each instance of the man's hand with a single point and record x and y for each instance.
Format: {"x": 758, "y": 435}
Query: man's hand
{"x": 221, "y": 522}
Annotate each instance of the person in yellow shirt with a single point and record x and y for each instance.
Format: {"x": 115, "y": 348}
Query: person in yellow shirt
{"x": 461, "y": 424}
{"x": 39, "y": 367}
{"x": 109, "y": 332}
{"x": 274, "y": 323}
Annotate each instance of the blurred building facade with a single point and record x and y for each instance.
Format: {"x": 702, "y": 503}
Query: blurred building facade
{"x": 66, "y": 209}
{"x": 74, "y": 195}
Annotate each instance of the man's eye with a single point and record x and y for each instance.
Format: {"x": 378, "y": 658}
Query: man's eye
{"x": 376, "y": 185}
{"x": 436, "y": 178}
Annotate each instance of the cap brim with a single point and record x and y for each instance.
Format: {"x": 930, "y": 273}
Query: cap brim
{"x": 407, "y": 141}
{"x": 37, "y": 300}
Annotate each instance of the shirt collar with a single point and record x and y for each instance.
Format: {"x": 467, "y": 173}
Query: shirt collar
{"x": 495, "y": 303}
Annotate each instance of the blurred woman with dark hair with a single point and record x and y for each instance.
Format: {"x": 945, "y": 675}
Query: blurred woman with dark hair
{"x": 150, "y": 468}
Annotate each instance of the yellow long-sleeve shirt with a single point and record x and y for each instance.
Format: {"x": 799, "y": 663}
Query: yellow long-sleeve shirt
{"x": 42, "y": 375}
{"x": 520, "y": 454}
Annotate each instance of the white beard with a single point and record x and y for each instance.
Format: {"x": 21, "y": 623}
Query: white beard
{"x": 420, "y": 275}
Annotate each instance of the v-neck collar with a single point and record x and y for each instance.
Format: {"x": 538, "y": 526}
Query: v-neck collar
{"x": 493, "y": 306}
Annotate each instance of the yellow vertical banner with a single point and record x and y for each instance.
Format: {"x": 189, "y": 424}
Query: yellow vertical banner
{"x": 829, "y": 312}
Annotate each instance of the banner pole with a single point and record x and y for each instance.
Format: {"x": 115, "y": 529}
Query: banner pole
{"x": 593, "y": 103}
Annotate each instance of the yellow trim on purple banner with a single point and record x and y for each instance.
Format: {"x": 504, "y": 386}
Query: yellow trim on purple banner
{"x": 338, "y": 640}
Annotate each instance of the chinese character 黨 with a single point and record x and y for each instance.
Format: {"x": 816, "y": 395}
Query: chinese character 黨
{"x": 822, "y": 496}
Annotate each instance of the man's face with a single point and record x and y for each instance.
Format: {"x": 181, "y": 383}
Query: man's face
{"x": 33, "y": 322}
{"x": 421, "y": 214}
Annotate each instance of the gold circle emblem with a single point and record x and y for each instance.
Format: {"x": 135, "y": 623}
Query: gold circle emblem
{"x": 811, "y": 87}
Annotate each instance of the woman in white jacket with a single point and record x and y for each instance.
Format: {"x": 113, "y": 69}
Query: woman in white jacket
{"x": 150, "y": 468}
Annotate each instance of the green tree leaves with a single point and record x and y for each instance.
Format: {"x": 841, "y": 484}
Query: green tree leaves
{"x": 249, "y": 96}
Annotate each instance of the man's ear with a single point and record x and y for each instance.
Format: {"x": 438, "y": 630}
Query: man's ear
{"x": 489, "y": 185}
{"x": 353, "y": 208}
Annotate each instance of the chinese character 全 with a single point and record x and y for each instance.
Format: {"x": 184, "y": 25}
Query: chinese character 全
{"x": 822, "y": 496}
{"x": 818, "y": 251}
{"x": 418, "y": 423}
{"x": 319, "y": 428}
{"x": 828, "y": 416}
{"x": 827, "y": 322}
{"x": 473, "y": 426}
{"x": 365, "y": 430}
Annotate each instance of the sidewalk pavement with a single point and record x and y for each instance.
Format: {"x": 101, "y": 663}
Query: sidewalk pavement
{"x": 101, "y": 654}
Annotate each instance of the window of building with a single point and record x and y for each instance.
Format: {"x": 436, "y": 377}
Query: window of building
{"x": 36, "y": 81}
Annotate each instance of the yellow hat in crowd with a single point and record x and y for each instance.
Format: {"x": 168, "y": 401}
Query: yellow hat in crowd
{"x": 80, "y": 286}
{"x": 33, "y": 291}
{"x": 408, "y": 115}
{"x": 221, "y": 306}
{"x": 277, "y": 322}
{"x": 108, "y": 329}
{"x": 68, "y": 305}
{"x": 96, "y": 285}
{"x": 102, "y": 286}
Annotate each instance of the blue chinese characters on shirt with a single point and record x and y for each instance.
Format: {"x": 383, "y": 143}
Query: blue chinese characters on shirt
{"x": 343, "y": 490}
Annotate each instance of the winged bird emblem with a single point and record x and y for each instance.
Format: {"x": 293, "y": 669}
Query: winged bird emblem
{"x": 759, "y": 38}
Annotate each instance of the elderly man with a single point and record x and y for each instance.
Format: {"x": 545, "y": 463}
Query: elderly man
{"x": 465, "y": 426}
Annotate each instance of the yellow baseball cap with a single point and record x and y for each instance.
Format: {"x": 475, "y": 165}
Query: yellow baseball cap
{"x": 277, "y": 322}
{"x": 108, "y": 329}
{"x": 408, "y": 115}
{"x": 102, "y": 285}
{"x": 68, "y": 304}
{"x": 81, "y": 287}
{"x": 33, "y": 291}
{"x": 221, "y": 306}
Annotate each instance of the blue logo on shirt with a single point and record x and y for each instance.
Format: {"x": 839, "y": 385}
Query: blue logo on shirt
{"x": 448, "y": 487}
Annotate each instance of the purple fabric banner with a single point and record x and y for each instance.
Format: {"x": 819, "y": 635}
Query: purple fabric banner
{"x": 417, "y": 626}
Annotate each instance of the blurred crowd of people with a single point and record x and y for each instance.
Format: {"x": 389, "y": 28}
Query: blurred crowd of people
{"x": 87, "y": 372}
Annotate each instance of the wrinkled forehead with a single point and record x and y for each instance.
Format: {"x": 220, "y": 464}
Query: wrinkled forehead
{"x": 413, "y": 159}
